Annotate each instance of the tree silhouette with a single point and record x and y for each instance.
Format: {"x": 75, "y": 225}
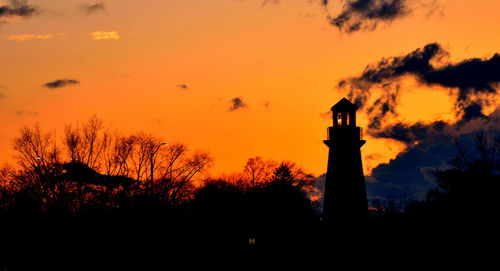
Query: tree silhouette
{"x": 283, "y": 174}
{"x": 94, "y": 165}
{"x": 257, "y": 170}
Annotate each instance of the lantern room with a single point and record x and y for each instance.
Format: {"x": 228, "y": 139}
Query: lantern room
{"x": 344, "y": 114}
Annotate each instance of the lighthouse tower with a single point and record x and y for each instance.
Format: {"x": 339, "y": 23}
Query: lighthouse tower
{"x": 345, "y": 190}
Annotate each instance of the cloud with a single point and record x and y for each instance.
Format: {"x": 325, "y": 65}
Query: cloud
{"x": 26, "y": 113}
{"x": 472, "y": 83}
{"x": 182, "y": 86}
{"x": 237, "y": 103}
{"x": 92, "y": 8}
{"x": 267, "y": 2}
{"x": 366, "y": 15}
{"x": 411, "y": 133}
{"x": 411, "y": 173}
{"x": 103, "y": 35}
{"x": 28, "y": 37}
{"x": 267, "y": 104}
{"x": 17, "y": 8}
{"x": 2, "y": 96}
{"x": 61, "y": 83}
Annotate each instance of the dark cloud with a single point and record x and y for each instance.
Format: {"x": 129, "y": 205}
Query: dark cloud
{"x": 473, "y": 82}
{"x": 429, "y": 147}
{"x": 366, "y": 14}
{"x": 61, "y": 83}
{"x": 411, "y": 173}
{"x": 2, "y": 95}
{"x": 237, "y": 103}
{"x": 92, "y": 8}
{"x": 182, "y": 86}
{"x": 411, "y": 134}
{"x": 19, "y": 8}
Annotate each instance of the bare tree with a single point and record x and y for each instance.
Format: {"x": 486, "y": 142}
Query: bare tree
{"x": 257, "y": 170}
{"x": 176, "y": 170}
{"x": 36, "y": 150}
{"x": 39, "y": 157}
{"x": 118, "y": 154}
{"x": 86, "y": 144}
{"x": 99, "y": 165}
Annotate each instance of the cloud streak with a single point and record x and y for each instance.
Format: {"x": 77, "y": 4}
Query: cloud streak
{"x": 61, "y": 83}
{"x": 103, "y": 35}
{"x": 28, "y": 37}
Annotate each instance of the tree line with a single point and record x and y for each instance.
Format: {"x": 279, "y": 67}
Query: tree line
{"x": 93, "y": 194}
{"x": 91, "y": 165}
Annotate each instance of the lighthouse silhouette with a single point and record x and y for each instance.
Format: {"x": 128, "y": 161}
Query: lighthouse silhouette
{"x": 345, "y": 190}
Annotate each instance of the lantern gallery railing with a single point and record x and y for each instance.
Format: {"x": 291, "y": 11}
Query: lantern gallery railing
{"x": 360, "y": 132}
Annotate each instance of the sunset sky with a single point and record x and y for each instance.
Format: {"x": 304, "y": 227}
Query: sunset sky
{"x": 237, "y": 78}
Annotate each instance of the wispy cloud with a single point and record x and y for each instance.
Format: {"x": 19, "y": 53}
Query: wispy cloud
{"x": 237, "y": 103}
{"x": 92, "y": 8}
{"x": 2, "y": 96}
{"x": 103, "y": 35}
{"x": 61, "y": 83}
{"x": 28, "y": 37}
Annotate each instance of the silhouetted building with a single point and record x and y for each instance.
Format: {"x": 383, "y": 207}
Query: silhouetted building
{"x": 345, "y": 190}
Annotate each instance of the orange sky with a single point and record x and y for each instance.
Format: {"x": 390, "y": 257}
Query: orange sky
{"x": 283, "y": 60}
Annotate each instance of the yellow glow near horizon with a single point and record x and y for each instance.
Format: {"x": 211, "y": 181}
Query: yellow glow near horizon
{"x": 27, "y": 37}
{"x": 103, "y": 35}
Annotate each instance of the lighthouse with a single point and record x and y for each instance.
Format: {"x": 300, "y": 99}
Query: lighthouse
{"x": 345, "y": 190}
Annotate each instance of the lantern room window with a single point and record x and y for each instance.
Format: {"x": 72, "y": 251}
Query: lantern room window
{"x": 343, "y": 119}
